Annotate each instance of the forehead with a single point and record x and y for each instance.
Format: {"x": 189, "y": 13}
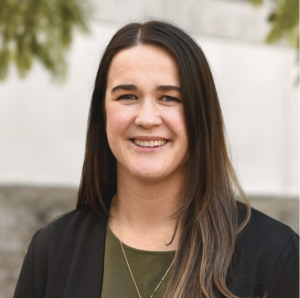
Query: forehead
{"x": 143, "y": 62}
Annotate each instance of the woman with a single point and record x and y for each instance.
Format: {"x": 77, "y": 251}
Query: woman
{"x": 156, "y": 213}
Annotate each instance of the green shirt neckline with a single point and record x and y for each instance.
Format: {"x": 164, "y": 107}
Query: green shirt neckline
{"x": 148, "y": 268}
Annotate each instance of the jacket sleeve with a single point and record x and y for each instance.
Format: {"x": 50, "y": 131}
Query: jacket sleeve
{"x": 26, "y": 282}
{"x": 285, "y": 279}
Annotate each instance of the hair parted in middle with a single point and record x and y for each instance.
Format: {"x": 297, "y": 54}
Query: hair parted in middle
{"x": 208, "y": 213}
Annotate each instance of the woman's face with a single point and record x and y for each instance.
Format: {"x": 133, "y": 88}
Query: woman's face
{"x": 145, "y": 121}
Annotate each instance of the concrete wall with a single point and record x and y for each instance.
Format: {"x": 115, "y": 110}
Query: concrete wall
{"x": 228, "y": 19}
{"x": 23, "y": 210}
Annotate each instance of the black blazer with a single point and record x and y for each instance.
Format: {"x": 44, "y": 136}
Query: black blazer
{"x": 65, "y": 259}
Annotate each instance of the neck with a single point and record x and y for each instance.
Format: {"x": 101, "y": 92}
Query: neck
{"x": 141, "y": 213}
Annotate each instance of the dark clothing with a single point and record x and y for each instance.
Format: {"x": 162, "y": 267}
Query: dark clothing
{"x": 66, "y": 257}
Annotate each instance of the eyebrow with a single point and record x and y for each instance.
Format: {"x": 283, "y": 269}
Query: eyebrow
{"x": 168, "y": 88}
{"x": 124, "y": 87}
{"x": 134, "y": 87}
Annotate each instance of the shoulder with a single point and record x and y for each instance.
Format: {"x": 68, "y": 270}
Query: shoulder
{"x": 265, "y": 232}
{"x": 266, "y": 257}
{"x": 264, "y": 237}
{"x": 60, "y": 226}
{"x": 64, "y": 256}
{"x": 63, "y": 231}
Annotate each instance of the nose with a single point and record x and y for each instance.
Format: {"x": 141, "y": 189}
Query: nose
{"x": 148, "y": 114}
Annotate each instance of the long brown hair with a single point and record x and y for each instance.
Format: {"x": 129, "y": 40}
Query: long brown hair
{"x": 208, "y": 214}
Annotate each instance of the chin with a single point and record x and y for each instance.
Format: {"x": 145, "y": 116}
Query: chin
{"x": 148, "y": 174}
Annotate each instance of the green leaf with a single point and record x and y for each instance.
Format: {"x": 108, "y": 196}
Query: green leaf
{"x": 39, "y": 30}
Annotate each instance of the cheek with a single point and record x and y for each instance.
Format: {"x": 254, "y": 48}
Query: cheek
{"x": 182, "y": 121}
{"x": 113, "y": 124}
{"x": 117, "y": 120}
{"x": 178, "y": 123}
{"x": 180, "y": 130}
{"x": 113, "y": 131}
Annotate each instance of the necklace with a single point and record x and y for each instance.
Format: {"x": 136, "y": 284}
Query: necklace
{"x": 134, "y": 279}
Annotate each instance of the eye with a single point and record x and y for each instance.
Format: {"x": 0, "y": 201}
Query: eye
{"x": 127, "y": 97}
{"x": 167, "y": 98}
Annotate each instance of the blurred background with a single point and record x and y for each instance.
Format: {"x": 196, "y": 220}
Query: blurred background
{"x": 49, "y": 55}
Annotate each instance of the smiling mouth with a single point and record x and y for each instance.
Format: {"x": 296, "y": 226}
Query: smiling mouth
{"x": 152, "y": 143}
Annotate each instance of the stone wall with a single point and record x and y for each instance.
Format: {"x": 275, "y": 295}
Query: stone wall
{"x": 23, "y": 210}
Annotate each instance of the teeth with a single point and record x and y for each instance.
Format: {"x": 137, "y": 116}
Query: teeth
{"x": 155, "y": 143}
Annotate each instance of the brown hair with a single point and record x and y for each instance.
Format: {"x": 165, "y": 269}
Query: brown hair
{"x": 208, "y": 214}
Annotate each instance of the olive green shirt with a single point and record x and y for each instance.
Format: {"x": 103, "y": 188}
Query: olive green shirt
{"x": 148, "y": 268}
